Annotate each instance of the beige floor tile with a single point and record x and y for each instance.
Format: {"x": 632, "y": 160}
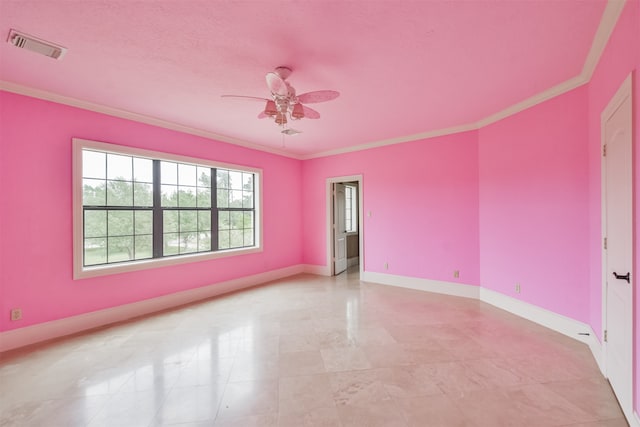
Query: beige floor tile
{"x": 205, "y": 371}
{"x": 252, "y": 368}
{"x": 264, "y": 420}
{"x": 373, "y": 336}
{"x": 301, "y": 363}
{"x": 451, "y": 377}
{"x": 467, "y": 348}
{"x": 261, "y": 357}
{"x": 299, "y": 342}
{"x": 593, "y": 396}
{"x": 425, "y": 333}
{"x": 317, "y": 417}
{"x": 402, "y": 382}
{"x": 357, "y": 387}
{"x": 296, "y": 327}
{"x": 434, "y": 411}
{"x": 529, "y": 405}
{"x": 344, "y": 359}
{"x": 618, "y": 422}
{"x": 190, "y": 404}
{"x": 384, "y": 356}
{"x": 301, "y": 394}
{"x": 70, "y": 411}
{"x": 334, "y": 339}
{"x": 540, "y": 368}
{"x": 494, "y": 373}
{"x": 376, "y": 414}
{"x": 151, "y": 377}
{"x": 249, "y": 398}
{"x": 413, "y": 353}
{"x": 130, "y": 409}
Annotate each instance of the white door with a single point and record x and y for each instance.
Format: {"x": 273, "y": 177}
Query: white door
{"x": 617, "y": 210}
{"x": 339, "y": 230}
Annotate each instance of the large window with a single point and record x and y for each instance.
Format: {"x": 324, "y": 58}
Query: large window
{"x": 136, "y": 208}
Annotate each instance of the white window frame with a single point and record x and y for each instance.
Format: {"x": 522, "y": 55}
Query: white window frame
{"x": 353, "y": 209}
{"x": 81, "y": 272}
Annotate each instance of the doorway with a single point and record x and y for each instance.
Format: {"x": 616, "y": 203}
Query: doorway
{"x": 617, "y": 253}
{"x": 344, "y": 224}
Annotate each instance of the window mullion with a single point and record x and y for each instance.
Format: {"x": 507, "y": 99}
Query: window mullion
{"x": 214, "y": 209}
{"x": 157, "y": 211}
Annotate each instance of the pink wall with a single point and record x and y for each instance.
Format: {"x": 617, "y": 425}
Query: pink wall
{"x": 423, "y": 198}
{"x": 36, "y": 219}
{"x": 533, "y": 205}
{"x": 621, "y": 57}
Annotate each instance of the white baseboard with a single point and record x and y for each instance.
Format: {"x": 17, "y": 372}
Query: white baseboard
{"x": 557, "y": 322}
{"x": 596, "y": 348}
{"x": 21, "y": 337}
{"x": 320, "y": 270}
{"x": 437, "y": 286}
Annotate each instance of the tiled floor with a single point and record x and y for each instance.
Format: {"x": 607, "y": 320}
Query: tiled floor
{"x": 312, "y": 351}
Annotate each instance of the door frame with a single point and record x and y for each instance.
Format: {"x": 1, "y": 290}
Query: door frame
{"x": 625, "y": 90}
{"x": 329, "y": 219}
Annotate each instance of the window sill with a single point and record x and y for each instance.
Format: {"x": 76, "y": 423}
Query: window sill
{"x": 105, "y": 270}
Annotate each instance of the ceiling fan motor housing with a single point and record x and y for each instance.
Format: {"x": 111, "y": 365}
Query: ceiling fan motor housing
{"x": 283, "y": 72}
{"x": 282, "y": 104}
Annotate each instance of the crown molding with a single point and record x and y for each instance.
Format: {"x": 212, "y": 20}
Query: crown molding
{"x": 128, "y": 115}
{"x": 539, "y": 98}
{"x": 610, "y": 16}
{"x": 609, "y": 19}
{"x": 393, "y": 141}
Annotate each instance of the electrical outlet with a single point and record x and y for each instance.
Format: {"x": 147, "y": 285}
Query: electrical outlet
{"x": 386, "y": 265}
{"x": 16, "y": 314}
{"x": 517, "y": 288}
{"x": 456, "y": 273}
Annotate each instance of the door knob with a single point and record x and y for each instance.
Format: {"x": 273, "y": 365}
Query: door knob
{"x": 626, "y": 277}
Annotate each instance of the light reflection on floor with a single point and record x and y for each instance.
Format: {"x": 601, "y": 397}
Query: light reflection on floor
{"x": 311, "y": 350}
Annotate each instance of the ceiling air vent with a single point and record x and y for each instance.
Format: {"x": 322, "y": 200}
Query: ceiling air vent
{"x": 34, "y": 44}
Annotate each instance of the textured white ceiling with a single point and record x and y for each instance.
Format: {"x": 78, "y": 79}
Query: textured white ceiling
{"x": 402, "y": 67}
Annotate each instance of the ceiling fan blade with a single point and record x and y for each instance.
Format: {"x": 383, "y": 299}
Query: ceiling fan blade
{"x": 276, "y": 84}
{"x": 310, "y": 113}
{"x": 246, "y": 98}
{"x": 318, "y": 96}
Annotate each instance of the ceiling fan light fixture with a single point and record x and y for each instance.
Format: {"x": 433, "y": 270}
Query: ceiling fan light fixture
{"x": 281, "y": 119}
{"x": 298, "y": 112}
{"x": 270, "y": 109}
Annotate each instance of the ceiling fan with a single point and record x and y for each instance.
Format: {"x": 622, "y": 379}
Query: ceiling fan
{"x": 284, "y": 104}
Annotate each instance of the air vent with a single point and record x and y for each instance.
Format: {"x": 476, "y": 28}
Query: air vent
{"x": 34, "y": 44}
